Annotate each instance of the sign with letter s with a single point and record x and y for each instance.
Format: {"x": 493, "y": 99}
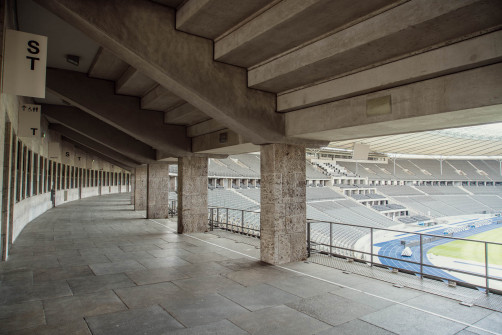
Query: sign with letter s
{"x": 25, "y": 63}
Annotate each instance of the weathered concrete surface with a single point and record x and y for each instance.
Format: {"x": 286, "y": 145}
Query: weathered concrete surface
{"x": 157, "y": 194}
{"x": 133, "y": 82}
{"x": 283, "y": 220}
{"x": 409, "y": 28}
{"x": 180, "y": 62}
{"x": 107, "y": 66}
{"x": 461, "y": 99}
{"x": 160, "y": 99}
{"x": 90, "y": 151}
{"x": 192, "y": 194}
{"x": 185, "y": 114}
{"x": 140, "y": 182}
{"x": 132, "y": 187}
{"x": 205, "y": 127}
{"x": 211, "y": 18}
{"x": 97, "y": 97}
{"x": 476, "y": 52}
{"x": 100, "y": 131}
{"x": 291, "y": 23}
{"x": 86, "y": 141}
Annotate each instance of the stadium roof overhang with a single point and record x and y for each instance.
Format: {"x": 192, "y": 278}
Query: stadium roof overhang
{"x": 483, "y": 140}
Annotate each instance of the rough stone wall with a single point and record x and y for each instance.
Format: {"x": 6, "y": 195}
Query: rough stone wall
{"x": 192, "y": 194}
{"x": 140, "y": 188}
{"x": 158, "y": 191}
{"x": 283, "y": 203}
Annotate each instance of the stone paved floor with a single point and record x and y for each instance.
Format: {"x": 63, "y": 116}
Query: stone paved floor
{"x": 96, "y": 267}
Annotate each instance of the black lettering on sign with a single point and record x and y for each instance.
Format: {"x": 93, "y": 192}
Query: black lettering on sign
{"x": 67, "y": 154}
{"x": 33, "y": 47}
{"x": 34, "y": 130}
{"x": 33, "y": 59}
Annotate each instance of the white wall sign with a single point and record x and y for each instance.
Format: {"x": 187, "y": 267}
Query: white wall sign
{"x": 25, "y": 63}
{"x": 29, "y": 120}
{"x": 54, "y": 150}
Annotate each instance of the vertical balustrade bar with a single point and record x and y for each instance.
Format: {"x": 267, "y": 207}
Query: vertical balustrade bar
{"x": 217, "y": 215}
{"x": 242, "y": 222}
{"x": 421, "y": 257}
{"x": 371, "y": 246}
{"x": 308, "y": 238}
{"x": 330, "y": 239}
{"x": 486, "y": 269}
{"x": 227, "y": 219}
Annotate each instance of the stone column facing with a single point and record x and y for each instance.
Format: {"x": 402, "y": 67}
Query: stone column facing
{"x": 283, "y": 204}
{"x": 140, "y": 188}
{"x": 192, "y": 194}
{"x": 132, "y": 181}
{"x": 157, "y": 191}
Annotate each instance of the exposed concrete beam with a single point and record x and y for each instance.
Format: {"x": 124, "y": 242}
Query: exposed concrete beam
{"x": 96, "y": 97}
{"x": 180, "y": 62}
{"x": 98, "y": 154}
{"x": 205, "y": 127}
{"x": 462, "y": 99}
{"x": 291, "y": 23}
{"x": 160, "y": 99}
{"x": 133, "y": 82}
{"x": 83, "y": 140}
{"x": 475, "y": 52}
{"x": 211, "y": 18}
{"x": 231, "y": 145}
{"x": 107, "y": 66}
{"x": 409, "y": 28}
{"x": 185, "y": 114}
{"x": 101, "y": 132}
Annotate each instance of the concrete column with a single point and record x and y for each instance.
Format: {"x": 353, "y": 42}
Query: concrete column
{"x": 192, "y": 194}
{"x": 283, "y": 204}
{"x": 140, "y": 188}
{"x": 132, "y": 181}
{"x": 157, "y": 191}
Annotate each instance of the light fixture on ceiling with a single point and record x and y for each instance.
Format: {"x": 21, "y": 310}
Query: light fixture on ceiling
{"x": 73, "y": 59}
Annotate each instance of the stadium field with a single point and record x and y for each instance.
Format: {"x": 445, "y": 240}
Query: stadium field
{"x": 472, "y": 251}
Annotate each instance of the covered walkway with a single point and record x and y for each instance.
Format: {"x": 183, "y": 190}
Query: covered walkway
{"x": 96, "y": 266}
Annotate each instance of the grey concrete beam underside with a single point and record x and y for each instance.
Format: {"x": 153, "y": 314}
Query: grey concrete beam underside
{"x": 410, "y": 28}
{"x": 462, "y": 99}
{"x": 472, "y": 53}
{"x": 98, "y": 154}
{"x": 289, "y": 24}
{"x": 97, "y": 97}
{"x": 180, "y": 62}
{"x": 87, "y": 142}
{"x": 101, "y": 132}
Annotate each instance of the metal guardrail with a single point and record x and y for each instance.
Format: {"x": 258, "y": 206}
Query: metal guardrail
{"x": 238, "y": 221}
{"x": 368, "y": 255}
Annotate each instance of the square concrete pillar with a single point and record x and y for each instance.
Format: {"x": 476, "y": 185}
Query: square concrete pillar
{"x": 132, "y": 181}
{"x": 192, "y": 194}
{"x": 140, "y": 188}
{"x": 283, "y": 204}
{"x": 157, "y": 191}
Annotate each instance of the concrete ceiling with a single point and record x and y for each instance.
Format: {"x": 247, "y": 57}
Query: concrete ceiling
{"x": 270, "y": 71}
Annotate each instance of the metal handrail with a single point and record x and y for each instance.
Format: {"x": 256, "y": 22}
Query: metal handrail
{"x": 216, "y": 212}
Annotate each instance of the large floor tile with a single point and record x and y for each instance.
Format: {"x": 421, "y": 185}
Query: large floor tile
{"x": 303, "y": 286}
{"x": 223, "y": 327}
{"x": 159, "y": 275}
{"x": 203, "y": 309}
{"x": 259, "y": 296}
{"x": 404, "y": 320}
{"x": 279, "y": 320}
{"x": 206, "y": 285}
{"x": 68, "y": 309}
{"x": 146, "y": 295}
{"x": 99, "y": 283}
{"x": 492, "y": 322}
{"x": 146, "y": 321}
{"x": 331, "y": 309}
{"x": 19, "y": 316}
{"x": 116, "y": 267}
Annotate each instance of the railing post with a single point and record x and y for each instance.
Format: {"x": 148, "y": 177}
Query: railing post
{"x": 308, "y": 239}
{"x": 227, "y": 219}
{"x": 421, "y": 257}
{"x": 486, "y": 269}
{"x": 217, "y": 215}
{"x": 371, "y": 247}
{"x": 330, "y": 239}
{"x": 211, "y": 223}
{"x": 242, "y": 222}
